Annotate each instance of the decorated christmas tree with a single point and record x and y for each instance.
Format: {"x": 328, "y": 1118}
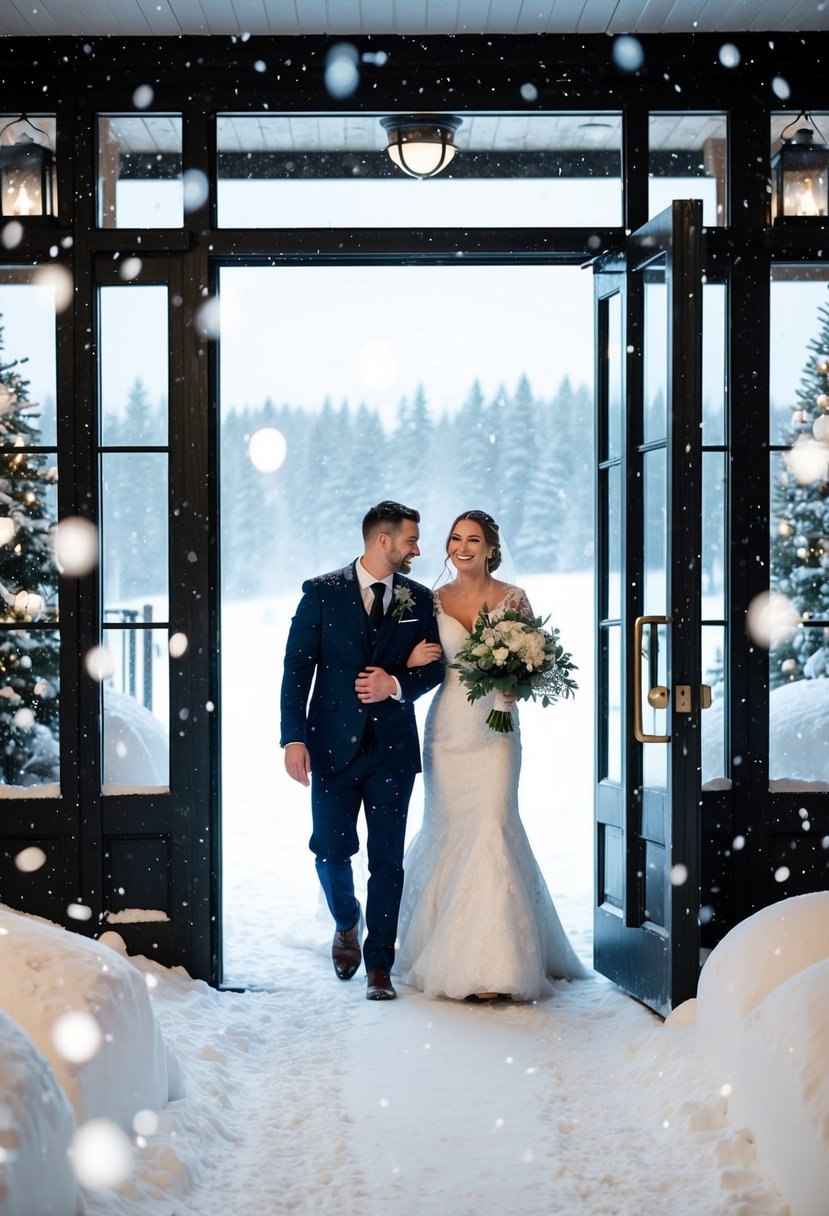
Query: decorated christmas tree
{"x": 800, "y": 521}
{"x": 29, "y": 641}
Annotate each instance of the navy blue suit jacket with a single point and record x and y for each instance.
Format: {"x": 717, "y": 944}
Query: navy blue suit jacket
{"x": 330, "y": 642}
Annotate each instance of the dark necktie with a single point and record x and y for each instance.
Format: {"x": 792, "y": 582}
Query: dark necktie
{"x": 376, "y": 613}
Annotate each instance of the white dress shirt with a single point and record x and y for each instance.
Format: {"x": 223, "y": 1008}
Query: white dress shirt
{"x": 366, "y": 582}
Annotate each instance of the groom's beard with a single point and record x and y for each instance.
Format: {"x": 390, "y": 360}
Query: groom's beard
{"x": 401, "y": 563}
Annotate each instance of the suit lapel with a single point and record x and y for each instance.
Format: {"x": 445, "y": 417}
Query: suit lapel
{"x": 355, "y": 611}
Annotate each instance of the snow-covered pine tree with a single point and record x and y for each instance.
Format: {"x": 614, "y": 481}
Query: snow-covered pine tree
{"x": 800, "y": 524}
{"x": 29, "y": 641}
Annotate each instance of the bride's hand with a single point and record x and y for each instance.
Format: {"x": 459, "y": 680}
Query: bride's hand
{"x": 423, "y": 653}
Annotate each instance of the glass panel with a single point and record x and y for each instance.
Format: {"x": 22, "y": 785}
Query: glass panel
{"x": 135, "y": 358}
{"x": 656, "y": 533}
{"x": 713, "y": 718}
{"x": 714, "y": 334}
{"x": 799, "y": 540}
{"x": 139, "y": 171}
{"x": 614, "y": 704}
{"x": 713, "y": 536}
{"x": 28, "y": 414}
{"x": 614, "y": 542}
{"x": 615, "y": 377}
{"x": 28, "y": 513}
{"x": 688, "y": 158}
{"x": 655, "y": 420}
{"x": 505, "y": 423}
{"x": 29, "y": 707}
{"x": 136, "y": 698}
{"x": 332, "y": 171}
{"x": 134, "y": 535}
{"x": 654, "y": 721}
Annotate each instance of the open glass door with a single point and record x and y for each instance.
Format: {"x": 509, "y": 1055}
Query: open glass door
{"x": 648, "y": 299}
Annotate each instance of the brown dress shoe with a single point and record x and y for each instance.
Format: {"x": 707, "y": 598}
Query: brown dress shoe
{"x": 345, "y": 950}
{"x": 379, "y": 986}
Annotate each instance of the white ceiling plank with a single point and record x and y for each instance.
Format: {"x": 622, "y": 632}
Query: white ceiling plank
{"x": 308, "y": 16}
{"x": 652, "y": 16}
{"x": 809, "y": 15}
{"x": 442, "y": 16}
{"x": 534, "y": 16}
{"x": 682, "y": 16}
{"x": 35, "y": 18}
{"x": 472, "y": 16}
{"x": 793, "y": 20}
{"x": 159, "y": 17}
{"x": 23, "y": 18}
{"x": 190, "y": 16}
{"x": 595, "y": 16}
{"x": 250, "y": 16}
{"x": 342, "y": 16}
{"x": 625, "y": 17}
{"x": 376, "y": 16}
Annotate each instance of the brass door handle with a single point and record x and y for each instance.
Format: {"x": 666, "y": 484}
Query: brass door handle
{"x": 658, "y": 694}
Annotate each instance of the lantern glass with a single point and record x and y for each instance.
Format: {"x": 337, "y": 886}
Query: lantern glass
{"x": 799, "y": 168}
{"x": 27, "y": 167}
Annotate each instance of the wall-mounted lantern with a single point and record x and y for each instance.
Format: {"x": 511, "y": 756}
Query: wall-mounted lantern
{"x": 800, "y": 174}
{"x": 27, "y": 174}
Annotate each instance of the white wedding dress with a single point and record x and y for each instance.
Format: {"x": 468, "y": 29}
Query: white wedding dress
{"x": 476, "y": 915}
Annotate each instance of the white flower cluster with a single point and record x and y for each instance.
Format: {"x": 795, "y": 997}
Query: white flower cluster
{"x": 511, "y": 637}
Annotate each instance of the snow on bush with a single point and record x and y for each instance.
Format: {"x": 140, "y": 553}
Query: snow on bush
{"x": 757, "y": 956}
{"x": 87, "y": 1009}
{"x": 781, "y": 1089}
{"x": 36, "y": 1127}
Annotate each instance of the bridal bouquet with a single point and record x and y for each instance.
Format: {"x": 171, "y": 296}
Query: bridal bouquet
{"x": 519, "y": 658}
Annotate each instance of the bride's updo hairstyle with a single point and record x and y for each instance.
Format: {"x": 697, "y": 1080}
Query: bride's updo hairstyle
{"x": 491, "y": 536}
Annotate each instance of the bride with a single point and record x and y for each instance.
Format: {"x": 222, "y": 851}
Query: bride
{"x": 476, "y": 918}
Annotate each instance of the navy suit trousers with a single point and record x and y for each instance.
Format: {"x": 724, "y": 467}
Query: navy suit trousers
{"x": 336, "y": 799}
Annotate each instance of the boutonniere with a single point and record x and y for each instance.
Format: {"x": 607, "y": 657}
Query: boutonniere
{"x": 403, "y": 602}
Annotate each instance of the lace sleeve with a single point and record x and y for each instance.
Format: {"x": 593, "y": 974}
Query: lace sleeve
{"x": 516, "y": 599}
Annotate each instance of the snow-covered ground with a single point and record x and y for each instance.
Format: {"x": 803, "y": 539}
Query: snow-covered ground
{"x": 306, "y": 1098}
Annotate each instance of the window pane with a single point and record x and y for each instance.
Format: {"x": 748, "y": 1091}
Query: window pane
{"x": 28, "y": 513}
{"x": 656, "y": 533}
{"x": 614, "y": 704}
{"x": 28, "y": 413}
{"x": 713, "y": 535}
{"x": 615, "y": 377}
{"x": 134, "y": 525}
{"x": 614, "y": 542}
{"x": 139, "y": 171}
{"x": 332, "y": 171}
{"x": 134, "y": 360}
{"x": 713, "y": 718}
{"x": 655, "y": 421}
{"x": 137, "y": 709}
{"x": 687, "y": 159}
{"x": 29, "y": 726}
{"x": 799, "y": 540}
{"x": 713, "y": 363}
{"x": 654, "y": 721}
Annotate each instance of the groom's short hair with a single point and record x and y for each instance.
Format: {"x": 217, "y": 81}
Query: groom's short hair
{"x": 387, "y": 512}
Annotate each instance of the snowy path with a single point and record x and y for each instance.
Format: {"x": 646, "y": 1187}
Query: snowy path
{"x": 309, "y": 1099}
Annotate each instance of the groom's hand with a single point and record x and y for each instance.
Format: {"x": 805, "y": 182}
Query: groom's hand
{"x": 297, "y": 762}
{"x": 374, "y": 684}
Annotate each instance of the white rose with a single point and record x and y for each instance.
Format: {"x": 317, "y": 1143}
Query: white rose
{"x": 480, "y": 650}
{"x": 501, "y": 654}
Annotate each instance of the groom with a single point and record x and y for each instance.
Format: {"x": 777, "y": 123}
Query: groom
{"x": 354, "y": 630}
